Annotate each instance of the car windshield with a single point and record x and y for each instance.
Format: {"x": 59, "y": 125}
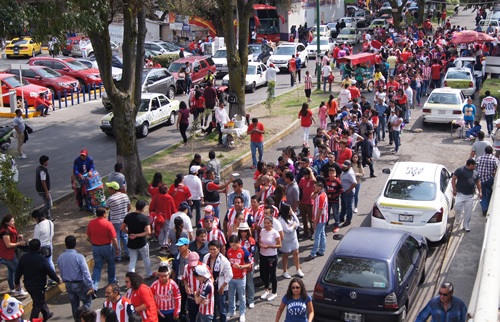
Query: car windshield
{"x": 144, "y": 107}
{"x": 444, "y": 98}
{"x": 251, "y": 70}
{"x": 458, "y": 75}
{"x": 410, "y": 190}
{"x": 220, "y": 54}
{"x": 322, "y": 42}
{"x": 144, "y": 74}
{"x": 358, "y": 273}
{"x": 332, "y": 25}
{"x": 347, "y": 32}
{"x": 167, "y": 46}
{"x": 47, "y": 73}
{"x": 255, "y": 49}
{"x": 12, "y": 81}
{"x": 76, "y": 65}
{"x": 285, "y": 50}
{"x": 87, "y": 63}
{"x": 175, "y": 67}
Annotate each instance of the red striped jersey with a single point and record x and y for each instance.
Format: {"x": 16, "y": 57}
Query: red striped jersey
{"x": 167, "y": 296}
{"x": 216, "y": 234}
{"x": 231, "y": 216}
{"x": 238, "y": 257}
{"x": 215, "y": 224}
{"x": 321, "y": 203}
{"x": 207, "y": 293}
{"x": 260, "y": 222}
{"x": 266, "y": 193}
{"x": 188, "y": 276}
{"x": 122, "y": 307}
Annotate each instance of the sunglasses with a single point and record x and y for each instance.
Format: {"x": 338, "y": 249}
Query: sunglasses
{"x": 444, "y": 294}
{"x": 295, "y": 287}
{"x": 235, "y": 186}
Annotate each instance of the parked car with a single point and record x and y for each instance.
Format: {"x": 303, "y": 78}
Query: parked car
{"x": 378, "y": 23}
{"x": 46, "y": 77}
{"x": 444, "y": 105}
{"x": 158, "y": 80}
{"x": 255, "y": 77}
{"x": 416, "y": 198}
{"x": 164, "y": 48}
{"x": 460, "y": 78}
{"x": 92, "y": 63}
{"x": 284, "y": 52}
{"x": 349, "y": 36}
{"x": 324, "y": 31}
{"x": 350, "y": 22}
{"x": 29, "y": 91}
{"x": 386, "y": 8}
{"x": 260, "y": 52}
{"x": 154, "y": 110}
{"x": 68, "y": 46}
{"x": 325, "y": 44}
{"x": 71, "y": 67}
{"x": 372, "y": 275}
{"x": 76, "y": 51}
{"x": 200, "y": 67}
{"x": 23, "y": 46}
{"x": 220, "y": 60}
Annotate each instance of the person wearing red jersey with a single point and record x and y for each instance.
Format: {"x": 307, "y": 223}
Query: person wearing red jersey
{"x": 239, "y": 257}
{"x": 213, "y": 233}
{"x": 246, "y": 240}
{"x": 204, "y": 296}
{"x": 355, "y": 93}
{"x": 306, "y": 187}
{"x": 392, "y": 84}
{"x": 163, "y": 207}
{"x": 436, "y": 73}
{"x": 232, "y": 214}
{"x": 266, "y": 188}
{"x": 208, "y": 211}
{"x": 192, "y": 284}
{"x": 320, "y": 212}
{"x": 179, "y": 191}
{"x": 211, "y": 191}
{"x": 256, "y": 131}
{"x": 42, "y": 105}
{"x": 333, "y": 191}
{"x": 141, "y": 297}
{"x": 167, "y": 294}
{"x": 121, "y": 305}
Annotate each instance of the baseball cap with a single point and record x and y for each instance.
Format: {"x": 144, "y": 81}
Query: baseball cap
{"x": 193, "y": 259}
{"x": 209, "y": 208}
{"x": 182, "y": 241}
{"x": 208, "y": 217}
{"x": 347, "y": 163}
{"x": 271, "y": 65}
{"x": 202, "y": 271}
{"x": 194, "y": 169}
{"x": 113, "y": 185}
{"x": 84, "y": 152}
{"x": 183, "y": 206}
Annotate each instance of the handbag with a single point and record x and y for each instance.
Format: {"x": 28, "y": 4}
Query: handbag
{"x": 376, "y": 153}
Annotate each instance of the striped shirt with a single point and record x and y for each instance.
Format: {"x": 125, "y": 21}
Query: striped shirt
{"x": 231, "y": 216}
{"x": 426, "y": 70}
{"x": 167, "y": 296}
{"x": 118, "y": 207}
{"x": 123, "y": 308}
{"x": 321, "y": 203}
{"x": 266, "y": 193}
{"x": 188, "y": 276}
{"x": 308, "y": 82}
{"x": 216, "y": 234}
{"x": 207, "y": 293}
{"x": 215, "y": 224}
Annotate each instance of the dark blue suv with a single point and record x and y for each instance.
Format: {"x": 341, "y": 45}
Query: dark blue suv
{"x": 372, "y": 275}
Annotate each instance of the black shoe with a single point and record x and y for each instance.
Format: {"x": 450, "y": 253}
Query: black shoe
{"x": 320, "y": 254}
{"x": 347, "y": 223}
{"x": 49, "y": 316}
{"x": 341, "y": 220}
{"x": 309, "y": 258}
{"x": 94, "y": 295}
{"x": 372, "y": 176}
{"x": 485, "y": 213}
{"x": 311, "y": 237}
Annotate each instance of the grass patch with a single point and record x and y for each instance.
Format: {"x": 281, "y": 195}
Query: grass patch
{"x": 492, "y": 85}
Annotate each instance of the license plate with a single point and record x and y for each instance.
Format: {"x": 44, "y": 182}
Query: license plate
{"x": 353, "y": 317}
{"x": 441, "y": 112}
{"x": 16, "y": 51}
{"x": 406, "y": 218}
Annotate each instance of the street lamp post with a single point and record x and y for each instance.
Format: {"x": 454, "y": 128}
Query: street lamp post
{"x": 318, "y": 54}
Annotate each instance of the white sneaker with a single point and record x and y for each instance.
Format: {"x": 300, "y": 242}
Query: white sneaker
{"x": 229, "y": 315}
{"x": 355, "y": 210}
{"x": 256, "y": 267}
{"x": 251, "y": 305}
{"x": 242, "y": 318}
{"x": 286, "y": 275}
{"x": 300, "y": 273}
{"x": 265, "y": 295}
{"x": 272, "y": 297}
{"x": 12, "y": 291}
{"x": 23, "y": 156}
{"x": 21, "y": 292}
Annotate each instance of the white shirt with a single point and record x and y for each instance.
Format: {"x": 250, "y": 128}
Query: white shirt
{"x": 221, "y": 116}
{"x": 345, "y": 97}
{"x": 488, "y": 104}
{"x": 268, "y": 238}
{"x": 194, "y": 185}
{"x": 368, "y": 37}
{"x": 325, "y": 71}
{"x": 271, "y": 74}
{"x": 44, "y": 232}
{"x": 409, "y": 93}
{"x": 225, "y": 270}
{"x": 185, "y": 218}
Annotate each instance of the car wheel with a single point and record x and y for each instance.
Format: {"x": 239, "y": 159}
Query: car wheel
{"x": 171, "y": 119}
{"x": 252, "y": 87}
{"x": 171, "y": 92}
{"x": 53, "y": 90}
{"x": 144, "y": 130}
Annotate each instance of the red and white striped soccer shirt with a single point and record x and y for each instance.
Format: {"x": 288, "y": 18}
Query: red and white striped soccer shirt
{"x": 207, "y": 293}
{"x": 231, "y": 216}
{"x": 122, "y": 307}
{"x": 321, "y": 202}
{"x": 216, "y": 234}
{"x": 167, "y": 296}
{"x": 188, "y": 276}
{"x": 266, "y": 193}
{"x": 215, "y": 224}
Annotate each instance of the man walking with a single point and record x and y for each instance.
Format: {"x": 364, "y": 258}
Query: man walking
{"x": 256, "y": 131}
{"x": 121, "y": 305}
{"x": 214, "y": 165}
{"x": 486, "y": 169}
{"x": 479, "y": 146}
{"x": 320, "y": 219}
{"x": 444, "y": 307}
{"x": 136, "y": 225}
{"x": 119, "y": 206}
{"x": 35, "y": 269}
{"x": 348, "y": 181}
{"x": 464, "y": 181}
{"x": 292, "y": 68}
{"x": 19, "y": 127}
{"x": 193, "y": 182}
{"x": 75, "y": 274}
{"x": 489, "y": 106}
{"x": 42, "y": 184}
{"x": 102, "y": 235}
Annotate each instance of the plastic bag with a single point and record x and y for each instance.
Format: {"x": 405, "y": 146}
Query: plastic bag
{"x": 376, "y": 153}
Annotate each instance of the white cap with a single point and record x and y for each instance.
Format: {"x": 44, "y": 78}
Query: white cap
{"x": 194, "y": 169}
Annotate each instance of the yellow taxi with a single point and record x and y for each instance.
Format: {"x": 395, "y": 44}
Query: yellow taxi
{"x": 23, "y": 46}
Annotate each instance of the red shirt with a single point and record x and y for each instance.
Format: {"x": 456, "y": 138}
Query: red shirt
{"x": 436, "y": 71}
{"x": 101, "y": 231}
{"x": 163, "y": 204}
{"x": 292, "y": 65}
{"x": 9, "y": 253}
{"x": 321, "y": 203}
{"x": 345, "y": 154}
{"x": 355, "y": 93}
{"x": 405, "y": 56}
{"x": 238, "y": 257}
{"x": 305, "y": 120}
{"x": 254, "y": 136}
{"x": 123, "y": 308}
{"x": 143, "y": 295}
{"x": 167, "y": 296}
{"x": 180, "y": 193}
{"x": 307, "y": 188}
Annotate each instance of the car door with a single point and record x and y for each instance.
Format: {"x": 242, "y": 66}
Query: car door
{"x": 149, "y": 82}
{"x": 165, "y": 108}
{"x": 446, "y": 189}
{"x": 264, "y": 72}
{"x": 197, "y": 72}
{"x": 403, "y": 272}
{"x": 154, "y": 115}
{"x": 161, "y": 85}
{"x": 413, "y": 250}
{"x": 302, "y": 53}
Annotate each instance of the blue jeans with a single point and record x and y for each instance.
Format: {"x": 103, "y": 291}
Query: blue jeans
{"x": 381, "y": 128}
{"x": 489, "y": 122}
{"x": 396, "y": 134}
{"x": 333, "y": 211}
{"x": 220, "y": 303}
{"x": 250, "y": 287}
{"x": 78, "y": 292}
{"x": 103, "y": 254}
{"x": 134, "y": 254}
{"x": 121, "y": 237}
{"x": 319, "y": 240}
{"x": 479, "y": 82}
{"x": 216, "y": 211}
{"x": 487, "y": 189}
{"x": 47, "y": 205}
{"x": 204, "y": 318}
{"x": 356, "y": 195}
{"x": 346, "y": 206}
{"x": 11, "y": 270}
{"x": 425, "y": 86}
{"x": 419, "y": 93}
{"x": 254, "y": 147}
{"x": 189, "y": 82}
{"x": 237, "y": 285}
{"x": 196, "y": 206}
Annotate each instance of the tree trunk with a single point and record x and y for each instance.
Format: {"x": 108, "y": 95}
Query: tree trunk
{"x": 421, "y": 12}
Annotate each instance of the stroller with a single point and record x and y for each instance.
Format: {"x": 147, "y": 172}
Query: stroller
{"x": 89, "y": 191}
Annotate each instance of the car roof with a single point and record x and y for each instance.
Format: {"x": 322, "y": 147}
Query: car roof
{"x": 369, "y": 242}
{"x": 150, "y": 95}
{"x": 419, "y": 171}
{"x": 459, "y": 69}
{"x": 190, "y": 59}
{"x": 446, "y": 90}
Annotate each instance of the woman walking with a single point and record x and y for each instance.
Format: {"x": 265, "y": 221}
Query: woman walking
{"x": 333, "y": 108}
{"x": 268, "y": 250}
{"x": 308, "y": 82}
{"x": 297, "y": 302}
{"x": 358, "y": 169}
{"x": 181, "y": 80}
{"x": 179, "y": 191}
{"x": 322, "y": 115}
{"x": 290, "y": 223}
{"x": 183, "y": 121}
{"x": 175, "y": 234}
{"x": 247, "y": 241}
{"x": 9, "y": 240}
{"x": 141, "y": 297}
{"x": 396, "y": 120}
{"x": 306, "y": 120}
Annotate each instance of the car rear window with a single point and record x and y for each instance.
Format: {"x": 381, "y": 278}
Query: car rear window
{"x": 358, "y": 272}
{"x": 410, "y": 190}
{"x": 458, "y": 75}
{"x": 175, "y": 67}
{"x": 443, "y": 98}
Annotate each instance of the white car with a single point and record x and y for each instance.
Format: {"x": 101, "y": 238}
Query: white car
{"x": 444, "y": 105}
{"x": 417, "y": 198}
{"x": 325, "y": 44}
{"x": 284, "y": 52}
{"x": 154, "y": 110}
{"x": 115, "y": 71}
{"x": 349, "y": 21}
{"x": 255, "y": 77}
{"x": 378, "y": 23}
{"x": 460, "y": 78}
{"x": 76, "y": 51}
{"x": 348, "y": 36}
{"x": 220, "y": 60}
{"x": 324, "y": 31}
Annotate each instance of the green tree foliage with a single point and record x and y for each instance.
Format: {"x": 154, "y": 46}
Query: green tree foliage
{"x": 11, "y": 18}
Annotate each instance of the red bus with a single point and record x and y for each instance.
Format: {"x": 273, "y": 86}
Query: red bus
{"x": 266, "y": 22}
